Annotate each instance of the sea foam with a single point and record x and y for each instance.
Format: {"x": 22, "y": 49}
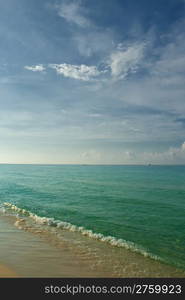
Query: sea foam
{"x": 71, "y": 227}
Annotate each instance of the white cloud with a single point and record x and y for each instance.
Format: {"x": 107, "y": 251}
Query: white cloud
{"x": 73, "y": 13}
{"x": 38, "y": 68}
{"x": 183, "y": 147}
{"x": 125, "y": 61}
{"x": 81, "y": 72}
{"x": 170, "y": 156}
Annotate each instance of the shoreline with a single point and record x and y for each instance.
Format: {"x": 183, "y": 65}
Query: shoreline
{"x": 31, "y": 250}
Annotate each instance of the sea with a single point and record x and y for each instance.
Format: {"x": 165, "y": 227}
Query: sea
{"x": 140, "y": 208}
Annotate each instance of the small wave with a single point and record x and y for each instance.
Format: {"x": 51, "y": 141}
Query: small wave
{"x": 89, "y": 233}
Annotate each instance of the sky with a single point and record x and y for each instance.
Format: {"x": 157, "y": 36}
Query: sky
{"x": 92, "y": 82}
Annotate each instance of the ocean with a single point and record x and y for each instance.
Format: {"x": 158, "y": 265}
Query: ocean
{"x": 140, "y": 208}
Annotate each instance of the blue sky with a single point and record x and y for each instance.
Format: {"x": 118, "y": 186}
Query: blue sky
{"x": 92, "y": 81}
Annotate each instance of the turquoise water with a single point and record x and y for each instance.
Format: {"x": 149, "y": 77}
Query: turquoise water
{"x": 142, "y": 205}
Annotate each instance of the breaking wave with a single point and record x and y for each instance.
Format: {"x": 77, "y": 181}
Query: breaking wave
{"x": 85, "y": 232}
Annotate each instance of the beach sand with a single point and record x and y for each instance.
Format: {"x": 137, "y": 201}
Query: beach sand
{"x": 5, "y": 272}
{"x": 30, "y": 251}
{"x": 35, "y": 254}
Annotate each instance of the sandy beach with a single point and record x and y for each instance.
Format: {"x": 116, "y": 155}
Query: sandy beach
{"x": 29, "y": 254}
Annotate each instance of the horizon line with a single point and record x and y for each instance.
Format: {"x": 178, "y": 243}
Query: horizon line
{"x": 94, "y": 164}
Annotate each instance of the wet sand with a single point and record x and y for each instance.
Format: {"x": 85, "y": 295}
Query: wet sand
{"x": 32, "y": 255}
{"x": 31, "y": 250}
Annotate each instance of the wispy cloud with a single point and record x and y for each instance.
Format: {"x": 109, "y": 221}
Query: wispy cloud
{"x": 37, "y": 68}
{"x": 73, "y": 13}
{"x": 126, "y": 60}
{"x": 120, "y": 63}
{"x": 81, "y": 72}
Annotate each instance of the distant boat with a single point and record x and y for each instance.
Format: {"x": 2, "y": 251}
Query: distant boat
{"x": 149, "y": 165}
